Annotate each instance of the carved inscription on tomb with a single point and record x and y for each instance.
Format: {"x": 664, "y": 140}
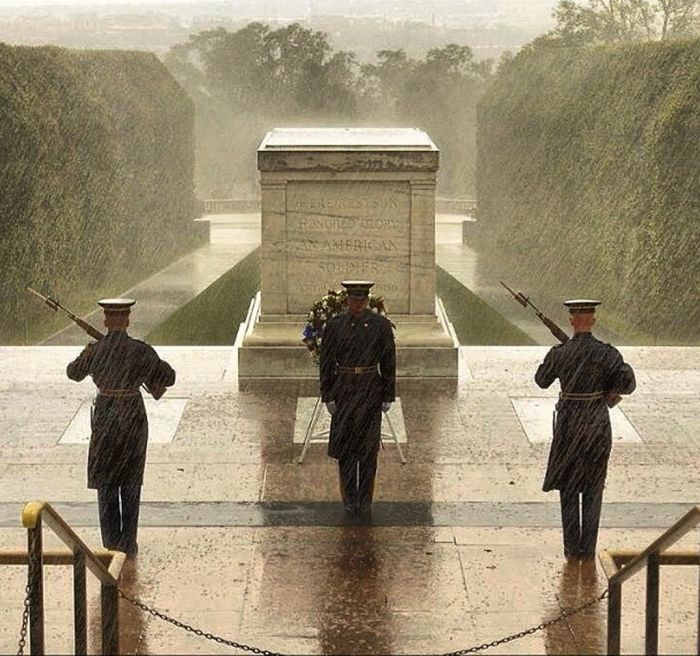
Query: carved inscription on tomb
{"x": 340, "y": 230}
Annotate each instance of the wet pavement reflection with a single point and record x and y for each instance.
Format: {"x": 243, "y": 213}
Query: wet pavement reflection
{"x": 354, "y": 614}
{"x": 585, "y": 632}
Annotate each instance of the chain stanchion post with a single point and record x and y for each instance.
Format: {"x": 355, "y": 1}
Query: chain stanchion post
{"x": 614, "y": 618}
{"x": 79, "y": 603}
{"x": 651, "y": 636}
{"x": 35, "y": 565}
{"x": 110, "y": 619}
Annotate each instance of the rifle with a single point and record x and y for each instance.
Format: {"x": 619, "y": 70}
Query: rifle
{"x": 611, "y": 399}
{"x": 56, "y": 306}
{"x": 157, "y": 392}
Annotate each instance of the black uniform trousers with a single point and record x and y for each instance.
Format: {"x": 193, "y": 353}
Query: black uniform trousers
{"x": 119, "y": 525}
{"x": 580, "y": 518}
{"x": 357, "y": 475}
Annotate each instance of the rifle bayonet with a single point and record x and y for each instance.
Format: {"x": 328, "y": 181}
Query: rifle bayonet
{"x": 54, "y": 305}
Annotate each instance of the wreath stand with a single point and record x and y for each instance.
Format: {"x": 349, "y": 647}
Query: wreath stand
{"x": 311, "y": 436}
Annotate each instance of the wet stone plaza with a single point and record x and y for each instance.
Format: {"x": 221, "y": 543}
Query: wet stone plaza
{"x": 238, "y": 539}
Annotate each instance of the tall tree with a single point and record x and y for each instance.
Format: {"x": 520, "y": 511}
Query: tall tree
{"x": 614, "y": 21}
{"x": 605, "y": 21}
{"x": 680, "y": 18}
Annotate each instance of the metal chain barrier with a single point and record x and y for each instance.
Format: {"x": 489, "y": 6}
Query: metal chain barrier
{"x": 264, "y": 652}
{"x": 22, "y": 643}
{"x": 461, "y": 652}
{"x": 194, "y": 630}
{"x": 522, "y": 634}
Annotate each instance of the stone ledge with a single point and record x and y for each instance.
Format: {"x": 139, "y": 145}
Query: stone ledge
{"x": 409, "y": 334}
{"x": 272, "y": 361}
{"x": 275, "y": 350}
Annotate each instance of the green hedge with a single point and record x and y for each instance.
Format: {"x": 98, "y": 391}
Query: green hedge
{"x": 97, "y": 177}
{"x": 589, "y": 174}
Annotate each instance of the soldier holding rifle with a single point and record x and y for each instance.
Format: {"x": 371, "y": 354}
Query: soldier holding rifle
{"x": 592, "y": 376}
{"x": 119, "y": 366}
{"x": 590, "y": 373}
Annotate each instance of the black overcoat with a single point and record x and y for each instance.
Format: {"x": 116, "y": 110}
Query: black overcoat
{"x": 350, "y": 342}
{"x": 578, "y": 458}
{"x": 117, "y": 453}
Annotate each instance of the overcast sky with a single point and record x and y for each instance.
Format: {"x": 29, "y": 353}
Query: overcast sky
{"x": 144, "y": 3}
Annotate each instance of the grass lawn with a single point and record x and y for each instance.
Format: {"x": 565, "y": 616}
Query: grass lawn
{"x": 212, "y": 318}
{"x": 474, "y": 321}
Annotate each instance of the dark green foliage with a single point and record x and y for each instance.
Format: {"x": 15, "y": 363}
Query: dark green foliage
{"x": 589, "y": 174}
{"x": 212, "y": 318}
{"x": 247, "y": 82}
{"x": 438, "y": 94}
{"x": 474, "y": 321}
{"x": 97, "y": 177}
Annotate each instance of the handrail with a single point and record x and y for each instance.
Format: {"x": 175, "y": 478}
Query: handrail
{"x": 34, "y": 514}
{"x": 35, "y": 511}
{"x": 684, "y": 525}
{"x": 652, "y": 558}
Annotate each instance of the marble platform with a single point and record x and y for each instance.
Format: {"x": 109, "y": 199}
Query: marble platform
{"x": 240, "y": 540}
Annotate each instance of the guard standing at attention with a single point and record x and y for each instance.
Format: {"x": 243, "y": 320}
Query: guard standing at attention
{"x": 119, "y": 365}
{"x": 358, "y": 383}
{"x": 591, "y": 373}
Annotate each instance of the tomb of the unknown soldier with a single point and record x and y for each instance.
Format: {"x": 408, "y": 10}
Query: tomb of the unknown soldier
{"x": 383, "y": 354}
{"x": 339, "y": 204}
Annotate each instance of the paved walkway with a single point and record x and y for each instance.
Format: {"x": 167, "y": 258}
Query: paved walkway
{"x": 240, "y": 540}
{"x": 233, "y": 236}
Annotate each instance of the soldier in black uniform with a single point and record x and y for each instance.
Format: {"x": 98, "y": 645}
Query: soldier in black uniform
{"x": 358, "y": 382}
{"x": 119, "y": 365}
{"x": 591, "y": 374}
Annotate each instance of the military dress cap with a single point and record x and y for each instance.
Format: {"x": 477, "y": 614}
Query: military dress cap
{"x": 582, "y": 305}
{"x": 116, "y": 305}
{"x": 357, "y": 288}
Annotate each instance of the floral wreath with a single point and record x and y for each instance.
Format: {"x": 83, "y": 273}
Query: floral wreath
{"x": 327, "y": 307}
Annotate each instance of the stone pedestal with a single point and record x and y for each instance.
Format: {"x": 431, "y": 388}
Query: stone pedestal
{"x": 347, "y": 203}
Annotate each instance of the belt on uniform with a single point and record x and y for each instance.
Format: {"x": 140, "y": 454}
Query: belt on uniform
{"x": 583, "y": 396}
{"x": 358, "y": 370}
{"x": 120, "y": 393}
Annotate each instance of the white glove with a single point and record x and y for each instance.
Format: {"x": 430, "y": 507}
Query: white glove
{"x": 386, "y": 406}
{"x": 330, "y": 406}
